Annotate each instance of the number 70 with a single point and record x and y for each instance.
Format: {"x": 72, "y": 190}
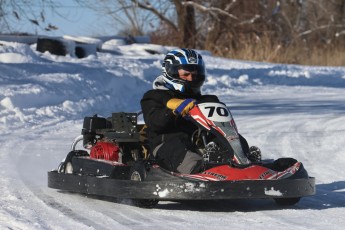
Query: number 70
{"x": 221, "y": 111}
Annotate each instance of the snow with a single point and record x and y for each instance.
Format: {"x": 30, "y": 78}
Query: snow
{"x": 272, "y": 192}
{"x": 161, "y": 193}
{"x": 286, "y": 110}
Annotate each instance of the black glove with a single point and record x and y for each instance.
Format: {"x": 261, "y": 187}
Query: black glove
{"x": 254, "y": 154}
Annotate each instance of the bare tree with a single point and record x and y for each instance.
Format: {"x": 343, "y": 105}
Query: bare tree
{"x": 177, "y": 16}
{"x": 232, "y": 26}
{"x": 183, "y": 22}
{"x": 15, "y": 12}
{"x": 125, "y": 16}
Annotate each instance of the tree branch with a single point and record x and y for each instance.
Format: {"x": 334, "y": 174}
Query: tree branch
{"x": 149, "y": 7}
{"x": 319, "y": 28}
{"x": 250, "y": 21}
{"x": 211, "y": 10}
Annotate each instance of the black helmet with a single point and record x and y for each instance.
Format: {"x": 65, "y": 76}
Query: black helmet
{"x": 188, "y": 60}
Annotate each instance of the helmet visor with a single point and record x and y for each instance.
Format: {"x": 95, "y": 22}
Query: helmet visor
{"x": 198, "y": 71}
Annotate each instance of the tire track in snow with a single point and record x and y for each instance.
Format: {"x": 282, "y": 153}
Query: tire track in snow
{"x": 24, "y": 182}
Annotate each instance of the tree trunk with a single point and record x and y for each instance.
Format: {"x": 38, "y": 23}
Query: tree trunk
{"x": 186, "y": 24}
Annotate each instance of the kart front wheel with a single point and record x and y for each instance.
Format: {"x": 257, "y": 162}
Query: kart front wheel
{"x": 138, "y": 173}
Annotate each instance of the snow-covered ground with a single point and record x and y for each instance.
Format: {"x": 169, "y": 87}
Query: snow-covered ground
{"x": 286, "y": 110}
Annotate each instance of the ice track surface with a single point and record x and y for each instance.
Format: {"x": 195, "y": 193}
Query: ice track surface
{"x": 307, "y": 123}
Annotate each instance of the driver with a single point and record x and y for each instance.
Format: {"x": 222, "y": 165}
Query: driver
{"x": 174, "y": 93}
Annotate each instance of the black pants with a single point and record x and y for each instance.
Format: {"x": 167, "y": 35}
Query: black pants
{"x": 177, "y": 154}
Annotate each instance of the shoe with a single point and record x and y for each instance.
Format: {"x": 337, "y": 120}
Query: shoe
{"x": 254, "y": 154}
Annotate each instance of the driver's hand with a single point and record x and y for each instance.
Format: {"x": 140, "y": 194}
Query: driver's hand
{"x": 181, "y": 106}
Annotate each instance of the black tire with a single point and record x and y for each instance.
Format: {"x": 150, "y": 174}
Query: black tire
{"x": 287, "y": 201}
{"x": 138, "y": 173}
{"x": 66, "y": 166}
{"x": 52, "y": 46}
{"x": 80, "y": 52}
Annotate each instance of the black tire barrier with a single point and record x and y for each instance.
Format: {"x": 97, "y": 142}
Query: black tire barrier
{"x": 52, "y": 46}
{"x": 80, "y": 52}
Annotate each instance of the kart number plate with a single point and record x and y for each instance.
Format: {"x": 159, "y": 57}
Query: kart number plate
{"x": 215, "y": 112}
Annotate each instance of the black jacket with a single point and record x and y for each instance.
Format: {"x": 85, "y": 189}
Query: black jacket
{"x": 160, "y": 120}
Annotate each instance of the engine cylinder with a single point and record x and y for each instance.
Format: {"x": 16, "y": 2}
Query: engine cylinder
{"x": 106, "y": 151}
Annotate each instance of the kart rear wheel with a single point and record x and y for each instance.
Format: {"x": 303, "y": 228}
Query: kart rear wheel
{"x": 66, "y": 166}
{"x": 287, "y": 201}
{"x": 138, "y": 173}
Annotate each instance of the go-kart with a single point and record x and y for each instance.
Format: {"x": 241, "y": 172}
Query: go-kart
{"x": 115, "y": 161}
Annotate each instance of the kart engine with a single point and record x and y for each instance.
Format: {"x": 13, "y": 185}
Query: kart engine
{"x": 106, "y": 151}
{"x": 115, "y": 138}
